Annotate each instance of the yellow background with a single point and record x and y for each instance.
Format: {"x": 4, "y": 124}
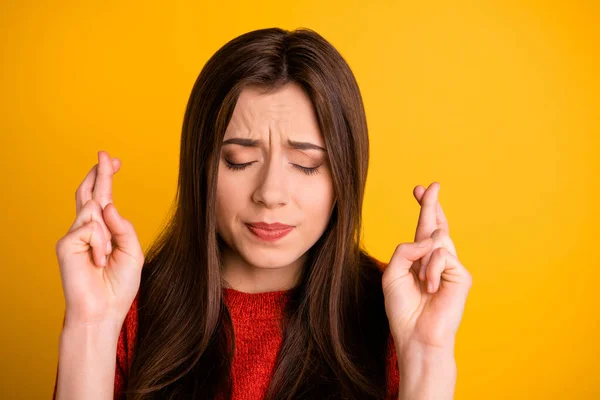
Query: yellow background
{"x": 496, "y": 100}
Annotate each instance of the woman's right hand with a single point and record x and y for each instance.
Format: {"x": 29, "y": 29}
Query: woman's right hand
{"x": 100, "y": 257}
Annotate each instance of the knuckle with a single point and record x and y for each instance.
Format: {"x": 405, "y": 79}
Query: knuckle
{"x": 440, "y": 252}
{"x": 401, "y": 248}
{"x": 101, "y": 227}
{"x": 439, "y": 232}
{"x": 95, "y": 225}
{"x": 79, "y": 193}
{"x": 469, "y": 279}
{"x": 92, "y": 209}
{"x": 92, "y": 205}
{"x": 59, "y": 245}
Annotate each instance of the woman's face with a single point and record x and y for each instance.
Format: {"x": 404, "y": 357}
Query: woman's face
{"x": 285, "y": 178}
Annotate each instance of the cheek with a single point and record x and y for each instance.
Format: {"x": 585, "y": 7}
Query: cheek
{"x": 317, "y": 201}
{"x": 228, "y": 185}
{"x": 229, "y": 200}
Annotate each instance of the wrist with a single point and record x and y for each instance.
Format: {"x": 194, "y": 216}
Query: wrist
{"x": 87, "y": 360}
{"x": 107, "y": 328}
{"x": 423, "y": 354}
{"x": 427, "y": 373}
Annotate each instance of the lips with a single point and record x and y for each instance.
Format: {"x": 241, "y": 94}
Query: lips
{"x": 276, "y": 226}
{"x": 269, "y": 232}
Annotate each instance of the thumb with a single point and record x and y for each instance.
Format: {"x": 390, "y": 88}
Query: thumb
{"x": 407, "y": 253}
{"x": 121, "y": 230}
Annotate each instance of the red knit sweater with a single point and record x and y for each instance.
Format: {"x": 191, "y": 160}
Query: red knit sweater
{"x": 257, "y": 340}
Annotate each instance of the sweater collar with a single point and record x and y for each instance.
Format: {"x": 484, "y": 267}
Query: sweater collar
{"x": 254, "y": 306}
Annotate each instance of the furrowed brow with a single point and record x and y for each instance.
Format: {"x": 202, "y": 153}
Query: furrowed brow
{"x": 305, "y": 146}
{"x": 257, "y": 143}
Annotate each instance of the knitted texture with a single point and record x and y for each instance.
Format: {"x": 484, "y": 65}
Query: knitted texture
{"x": 258, "y": 337}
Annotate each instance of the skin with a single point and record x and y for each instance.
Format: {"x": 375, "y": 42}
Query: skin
{"x": 426, "y": 310}
{"x": 100, "y": 261}
{"x": 272, "y": 189}
{"x": 423, "y": 319}
{"x": 425, "y": 290}
{"x": 425, "y": 287}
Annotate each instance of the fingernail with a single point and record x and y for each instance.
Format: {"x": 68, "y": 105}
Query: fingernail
{"x": 430, "y": 287}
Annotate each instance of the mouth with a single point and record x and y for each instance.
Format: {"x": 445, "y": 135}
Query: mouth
{"x": 269, "y": 233}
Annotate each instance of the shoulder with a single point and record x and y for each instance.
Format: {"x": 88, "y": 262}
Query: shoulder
{"x": 369, "y": 262}
{"x": 126, "y": 348}
{"x": 372, "y": 272}
{"x": 393, "y": 374}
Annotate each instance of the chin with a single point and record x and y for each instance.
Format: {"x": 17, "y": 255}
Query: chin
{"x": 260, "y": 260}
{"x": 267, "y": 264}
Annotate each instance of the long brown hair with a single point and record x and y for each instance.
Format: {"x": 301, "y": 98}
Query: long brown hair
{"x": 335, "y": 329}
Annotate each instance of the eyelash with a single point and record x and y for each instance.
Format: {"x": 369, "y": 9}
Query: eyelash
{"x": 239, "y": 167}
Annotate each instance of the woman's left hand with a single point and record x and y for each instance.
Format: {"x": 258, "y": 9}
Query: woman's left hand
{"x": 418, "y": 316}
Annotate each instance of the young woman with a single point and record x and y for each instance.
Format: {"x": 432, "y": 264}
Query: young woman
{"x": 258, "y": 287}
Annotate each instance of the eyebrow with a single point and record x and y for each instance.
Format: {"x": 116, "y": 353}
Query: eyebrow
{"x": 256, "y": 143}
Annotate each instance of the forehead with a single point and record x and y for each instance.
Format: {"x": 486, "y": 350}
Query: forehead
{"x": 287, "y": 112}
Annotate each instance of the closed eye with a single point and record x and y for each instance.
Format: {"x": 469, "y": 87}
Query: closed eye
{"x": 240, "y": 167}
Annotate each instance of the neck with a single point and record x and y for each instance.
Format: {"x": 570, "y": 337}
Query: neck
{"x": 245, "y": 277}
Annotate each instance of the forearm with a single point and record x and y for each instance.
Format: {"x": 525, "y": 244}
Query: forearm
{"x": 426, "y": 374}
{"x": 87, "y": 362}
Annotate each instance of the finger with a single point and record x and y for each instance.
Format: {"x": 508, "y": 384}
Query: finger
{"x": 123, "y": 233}
{"x": 427, "y": 217}
{"x": 406, "y": 254}
{"x": 84, "y": 192}
{"x": 447, "y": 268}
{"x": 418, "y": 192}
{"x": 92, "y": 211}
{"x": 440, "y": 239}
{"x": 90, "y": 234}
{"x": 103, "y": 185}
{"x": 441, "y": 220}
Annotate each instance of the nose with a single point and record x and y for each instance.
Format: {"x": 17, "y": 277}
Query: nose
{"x": 272, "y": 186}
